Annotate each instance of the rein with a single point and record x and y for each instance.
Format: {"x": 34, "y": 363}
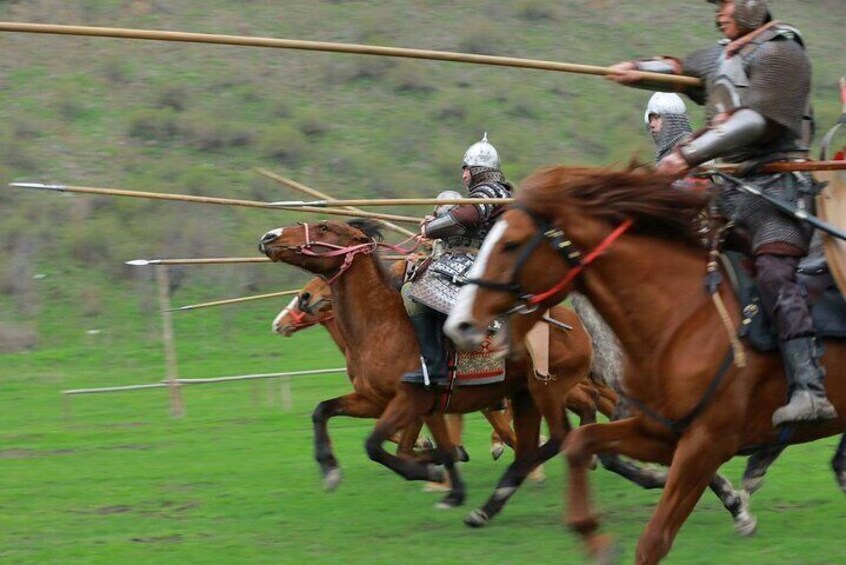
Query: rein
{"x": 564, "y": 247}
{"x": 349, "y": 252}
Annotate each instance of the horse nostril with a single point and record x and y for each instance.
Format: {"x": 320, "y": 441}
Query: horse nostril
{"x": 465, "y": 327}
{"x": 268, "y": 237}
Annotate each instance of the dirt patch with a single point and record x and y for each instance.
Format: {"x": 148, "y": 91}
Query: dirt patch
{"x": 174, "y": 538}
{"x": 32, "y": 453}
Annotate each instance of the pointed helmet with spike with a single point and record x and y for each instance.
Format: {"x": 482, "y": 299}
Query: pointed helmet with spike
{"x": 481, "y": 154}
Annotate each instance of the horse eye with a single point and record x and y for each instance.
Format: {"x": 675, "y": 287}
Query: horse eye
{"x": 323, "y": 227}
{"x": 511, "y": 245}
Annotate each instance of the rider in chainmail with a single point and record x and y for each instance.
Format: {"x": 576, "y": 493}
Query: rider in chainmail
{"x": 430, "y": 296}
{"x": 667, "y": 122}
{"x": 756, "y": 90}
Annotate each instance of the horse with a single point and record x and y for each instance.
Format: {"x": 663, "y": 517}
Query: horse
{"x": 382, "y": 346}
{"x": 626, "y": 240}
{"x": 313, "y": 306}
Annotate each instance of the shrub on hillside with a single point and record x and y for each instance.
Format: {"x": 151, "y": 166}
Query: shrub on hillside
{"x": 214, "y": 135}
{"x": 17, "y": 337}
{"x": 312, "y": 122}
{"x": 151, "y": 124}
{"x": 174, "y": 97}
{"x": 283, "y": 143}
{"x": 534, "y": 10}
{"x": 410, "y": 77}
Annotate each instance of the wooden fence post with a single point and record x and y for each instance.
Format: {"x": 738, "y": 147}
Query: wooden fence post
{"x": 177, "y": 408}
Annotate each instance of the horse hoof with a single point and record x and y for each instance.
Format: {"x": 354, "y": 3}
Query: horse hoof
{"x": 435, "y": 487}
{"x": 746, "y": 524}
{"x": 497, "y": 450}
{"x": 424, "y": 444}
{"x": 604, "y": 550}
{"x": 594, "y": 463}
{"x": 841, "y": 480}
{"x": 477, "y": 518}
{"x": 332, "y": 479}
{"x": 450, "y": 501}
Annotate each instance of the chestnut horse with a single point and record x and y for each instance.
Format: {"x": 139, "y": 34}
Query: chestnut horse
{"x": 625, "y": 239}
{"x": 382, "y": 345}
{"x": 313, "y": 305}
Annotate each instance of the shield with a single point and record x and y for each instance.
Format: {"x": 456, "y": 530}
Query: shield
{"x": 831, "y": 208}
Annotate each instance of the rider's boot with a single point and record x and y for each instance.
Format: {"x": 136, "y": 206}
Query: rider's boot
{"x": 429, "y": 330}
{"x": 808, "y": 402}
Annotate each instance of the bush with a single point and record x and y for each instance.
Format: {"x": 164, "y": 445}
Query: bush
{"x": 284, "y": 143}
{"x": 173, "y": 97}
{"x": 409, "y": 77}
{"x": 534, "y": 10}
{"x": 153, "y": 125}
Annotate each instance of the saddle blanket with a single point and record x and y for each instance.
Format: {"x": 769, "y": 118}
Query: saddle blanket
{"x": 483, "y": 366}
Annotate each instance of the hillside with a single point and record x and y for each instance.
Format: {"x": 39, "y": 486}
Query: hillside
{"x": 198, "y": 119}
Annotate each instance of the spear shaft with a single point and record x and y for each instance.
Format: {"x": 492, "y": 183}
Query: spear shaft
{"x": 211, "y": 200}
{"x": 233, "y": 300}
{"x": 245, "y": 41}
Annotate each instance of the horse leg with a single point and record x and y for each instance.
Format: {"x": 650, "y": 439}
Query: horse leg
{"x": 501, "y": 424}
{"x": 757, "y": 465}
{"x": 354, "y": 405}
{"x": 642, "y": 476}
{"x": 455, "y": 429}
{"x": 692, "y": 469}
{"x": 736, "y": 502}
{"x": 527, "y": 457}
{"x": 839, "y": 463}
{"x": 400, "y": 413}
{"x": 497, "y": 443}
{"x": 626, "y": 437}
{"x": 445, "y": 449}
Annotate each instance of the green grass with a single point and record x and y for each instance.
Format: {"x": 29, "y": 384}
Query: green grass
{"x": 118, "y": 480}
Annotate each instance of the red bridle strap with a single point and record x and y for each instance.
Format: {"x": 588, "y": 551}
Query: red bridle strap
{"x": 588, "y": 259}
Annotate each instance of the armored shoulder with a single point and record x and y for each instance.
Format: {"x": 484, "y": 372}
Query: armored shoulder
{"x": 702, "y": 64}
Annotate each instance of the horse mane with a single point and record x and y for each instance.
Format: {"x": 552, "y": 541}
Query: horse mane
{"x": 648, "y": 198}
{"x": 371, "y": 228}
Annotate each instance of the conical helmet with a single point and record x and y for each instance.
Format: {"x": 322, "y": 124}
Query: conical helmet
{"x": 481, "y": 154}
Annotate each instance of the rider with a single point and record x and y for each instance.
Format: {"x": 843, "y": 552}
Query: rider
{"x": 667, "y": 121}
{"x": 431, "y": 295}
{"x": 756, "y": 89}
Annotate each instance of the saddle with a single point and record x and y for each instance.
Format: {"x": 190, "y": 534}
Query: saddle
{"x": 828, "y": 306}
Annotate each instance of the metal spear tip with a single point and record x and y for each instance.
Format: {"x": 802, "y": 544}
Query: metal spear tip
{"x": 298, "y": 203}
{"x": 139, "y": 262}
{"x": 38, "y": 185}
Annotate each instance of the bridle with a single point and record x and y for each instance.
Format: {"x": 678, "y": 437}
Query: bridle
{"x": 349, "y": 252}
{"x": 563, "y": 246}
{"x": 305, "y": 308}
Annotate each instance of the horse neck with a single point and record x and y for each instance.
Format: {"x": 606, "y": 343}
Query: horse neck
{"x": 646, "y": 289}
{"x": 335, "y": 332}
{"x": 364, "y": 303}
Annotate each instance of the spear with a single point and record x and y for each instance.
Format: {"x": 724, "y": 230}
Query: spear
{"x": 313, "y": 192}
{"x": 211, "y": 200}
{"x": 219, "y": 260}
{"x": 201, "y": 261}
{"x": 233, "y": 300}
{"x": 125, "y": 33}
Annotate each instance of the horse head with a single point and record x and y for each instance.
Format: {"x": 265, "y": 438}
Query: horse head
{"x": 325, "y": 248}
{"x": 513, "y": 265}
{"x": 312, "y": 305}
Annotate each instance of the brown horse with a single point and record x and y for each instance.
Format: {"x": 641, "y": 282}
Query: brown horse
{"x": 625, "y": 240}
{"x": 313, "y": 306}
{"x": 382, "y": 346}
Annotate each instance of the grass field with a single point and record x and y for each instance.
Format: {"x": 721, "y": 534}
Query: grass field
{"x": 234, "y": 481}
